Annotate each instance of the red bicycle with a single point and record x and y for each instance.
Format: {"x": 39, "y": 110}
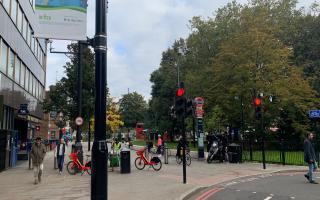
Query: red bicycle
{"x": 75, "y": 165}
{"x": 141, "y": 161}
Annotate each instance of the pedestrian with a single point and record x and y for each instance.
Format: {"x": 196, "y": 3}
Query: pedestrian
{"x": 59, "y": 153}
{"x": 310, "y": 157}
{"x": 160, "y": 144}
{"x": 37, "y": 154}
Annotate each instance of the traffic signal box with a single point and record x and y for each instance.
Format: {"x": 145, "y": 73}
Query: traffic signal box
{"x": 258, "y": 107}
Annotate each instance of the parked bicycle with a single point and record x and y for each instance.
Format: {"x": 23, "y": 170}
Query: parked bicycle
{"x": 75, "y": 165}
{"x": 141, "y": 161}
{"x": 179, "y": 157}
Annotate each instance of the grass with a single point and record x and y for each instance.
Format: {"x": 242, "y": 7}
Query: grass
{"x": 291, "y": 157}
{"x": 170, "y": 145}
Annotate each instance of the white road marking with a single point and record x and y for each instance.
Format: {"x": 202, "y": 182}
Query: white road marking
{"x": 238, "y": 190}
{"x": 231, "y": 183}
{"x": 292, "y": 197}
{"x": 254, "y": 192}
{"x": 268, "y": 198}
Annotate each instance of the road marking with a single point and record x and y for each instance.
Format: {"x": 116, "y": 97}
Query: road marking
{"x": 268, "y": 198}
{"x": 238, "y": 190}
{"x": 254, "y": 192}
{"x": 208, "y": 193}
{"x": 292, "y": 197}
{"x": 231, "y": 183}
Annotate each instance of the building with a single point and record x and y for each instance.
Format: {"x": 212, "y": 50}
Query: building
{"x": 22, "y": 78}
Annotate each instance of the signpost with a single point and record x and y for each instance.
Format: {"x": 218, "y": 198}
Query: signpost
{"x": 314, "y": 114}
{"x": 199, "y": 101}
{"x": 79, "y": 121}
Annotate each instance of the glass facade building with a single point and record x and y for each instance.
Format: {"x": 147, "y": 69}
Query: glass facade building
{"x": 22, "y": 73}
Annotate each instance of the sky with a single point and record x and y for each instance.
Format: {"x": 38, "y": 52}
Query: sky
{"x": 137, "y": 33}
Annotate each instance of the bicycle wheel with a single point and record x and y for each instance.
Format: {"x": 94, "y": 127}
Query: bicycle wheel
{"x": 157, "y": 166}
{"x": 72, "y": 168}
{"x": 188, "y": 159}
{"x": 179, "y": 159}
{"x": 139, "y": 163}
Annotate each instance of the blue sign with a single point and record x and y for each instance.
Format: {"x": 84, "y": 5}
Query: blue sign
{"x": 314, "y": 113}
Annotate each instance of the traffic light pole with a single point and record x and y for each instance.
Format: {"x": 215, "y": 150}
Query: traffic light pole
{"x": 99, "y": 177}
{"x": 263, "y": 142}
{"x": 184, "y": 163}
{"x": 78, "y": 145}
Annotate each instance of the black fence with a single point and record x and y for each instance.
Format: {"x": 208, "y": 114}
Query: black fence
{"x": 278, "y": 152}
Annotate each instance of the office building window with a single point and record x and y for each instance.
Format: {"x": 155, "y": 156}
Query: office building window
{"x": 19, "y": 19}
{"x": 6, "y": 5}
{"x": 11, "y": 64}
{"x": 13, "y": 13}
{"x": 17, "y": 70}
{"x": 22, "y": 75}
{"x": 4, "y": 57}
{"x": 26, "y": 82}
{"x": 32, "y": 43}
{"x": 33, "y": 85}
{"x": 25, "y": 28}
{"x": 28, "y": 35}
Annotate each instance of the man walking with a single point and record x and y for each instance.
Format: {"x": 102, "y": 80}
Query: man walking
{"x": 310, "y": 157}
{"x": 59, "y": 153}
{"x": 37, "y": 154}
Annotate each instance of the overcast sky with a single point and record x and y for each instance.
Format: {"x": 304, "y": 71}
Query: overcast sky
{"x": 138, "y": 32}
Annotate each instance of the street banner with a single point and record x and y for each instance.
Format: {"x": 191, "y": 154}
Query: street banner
{"x": 61, "y": 19}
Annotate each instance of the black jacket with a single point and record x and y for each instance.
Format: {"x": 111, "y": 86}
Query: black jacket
{"x": 309, "y": 153}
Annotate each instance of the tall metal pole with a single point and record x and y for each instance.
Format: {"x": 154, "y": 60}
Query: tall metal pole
{"x": 99, "y": 177}
{"x": 78, "y": 145}
{"x": 263, "y": 142}
{"x": 89, "y": 135}
{"x": 184, "y": 170}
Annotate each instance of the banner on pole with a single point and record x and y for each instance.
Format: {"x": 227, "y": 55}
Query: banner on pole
{"x": 61, "y": 19}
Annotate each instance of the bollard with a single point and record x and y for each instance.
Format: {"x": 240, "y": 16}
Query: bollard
{"x": 166, "y": 155}
{"x": 30, "y": 161}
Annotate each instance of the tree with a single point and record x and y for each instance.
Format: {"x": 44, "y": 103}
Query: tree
{"x": 132, "y": 108}
{"x": 63, "y": 96}
{"x": 113, "y": 117}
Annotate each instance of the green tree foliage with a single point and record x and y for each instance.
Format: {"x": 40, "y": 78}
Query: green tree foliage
{"x": 132, "y": 108}
{"x": 265, "y": 46}
{"x": 63, "y": 96}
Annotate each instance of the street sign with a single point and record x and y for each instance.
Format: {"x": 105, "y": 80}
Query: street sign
{"x": 79, "y": 121}
{"x": 23, "y": 109}
{"x": 314, "y": 113}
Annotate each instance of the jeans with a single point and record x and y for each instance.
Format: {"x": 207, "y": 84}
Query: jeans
{"x": 312, "y": 168}
{"x": 38, "y": 171}
{"x": 60, "y": 160}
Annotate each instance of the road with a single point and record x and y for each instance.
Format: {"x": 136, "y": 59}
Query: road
{"x": 276, "y": 186}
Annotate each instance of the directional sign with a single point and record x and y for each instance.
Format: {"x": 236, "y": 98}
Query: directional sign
{"x": 79, "y": 121}
{"x": 314, "y": 113}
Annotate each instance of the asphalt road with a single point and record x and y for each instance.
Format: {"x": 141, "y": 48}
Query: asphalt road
{"x": 277, "y": 186}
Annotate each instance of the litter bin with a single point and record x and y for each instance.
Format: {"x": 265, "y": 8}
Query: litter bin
{"x": 234, "y": 153}
{"x": 125, "y": 164}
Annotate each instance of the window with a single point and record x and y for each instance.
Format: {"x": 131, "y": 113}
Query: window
{"x": 4, "y": 57}
{"x": 22, "y": 75}
{"x": 28, "y": 39}
{"x": 33, "y": 91}
{"x": 11, "y": 64}
{"x": 39, "y": 52}
{"x": 32, "y": 44}
{"x": 25, "y": 27}
{"x": 13, "y": 13}
{"x": 17, "y": 70}
{"x": 19, "y": 19}
{"x": 6, "y": 4}
{"x": 26, "y": 83}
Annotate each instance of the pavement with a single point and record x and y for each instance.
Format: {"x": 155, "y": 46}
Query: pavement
{"x": 275, "y": 186}
{"x": 17, "y": 183}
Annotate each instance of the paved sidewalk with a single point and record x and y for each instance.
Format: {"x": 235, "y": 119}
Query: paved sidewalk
{"x": 17, "y": 183}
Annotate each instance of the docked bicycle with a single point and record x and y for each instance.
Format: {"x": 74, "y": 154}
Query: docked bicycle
{"x": 75, "y": 165}
{"x": 141, "y": 161}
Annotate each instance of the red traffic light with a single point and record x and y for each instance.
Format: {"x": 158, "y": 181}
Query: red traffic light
{"x": 257, "y": 102}
{"x": 180, "y": 92}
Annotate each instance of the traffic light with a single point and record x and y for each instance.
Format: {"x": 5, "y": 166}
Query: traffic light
{"x": 189, "y": 108}
{"x": 180, "y": 102}
{"x": 258, "y": 107}
{"x": 37, "y": 128}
